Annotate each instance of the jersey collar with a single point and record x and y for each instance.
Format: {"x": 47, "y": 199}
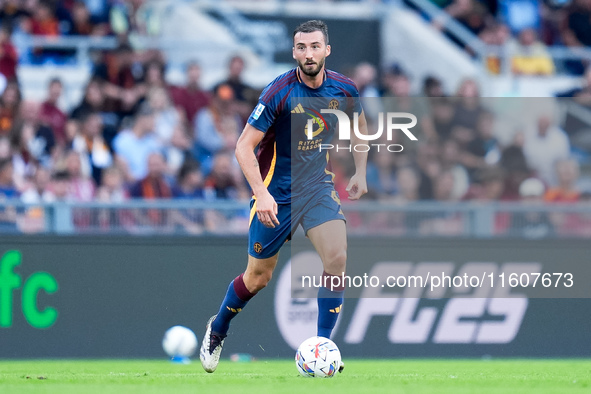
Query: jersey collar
{"x": 300, "y": 78}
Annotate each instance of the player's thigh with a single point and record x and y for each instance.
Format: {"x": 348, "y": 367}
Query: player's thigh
{"x": 330, "y": 241}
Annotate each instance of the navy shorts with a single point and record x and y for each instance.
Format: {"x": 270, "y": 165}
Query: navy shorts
{"x": 319, "y": 206}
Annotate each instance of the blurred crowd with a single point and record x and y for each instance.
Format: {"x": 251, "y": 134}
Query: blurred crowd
{"x": 471, "y": 148}
{"x": 134, "y": 135}
{"x": 525, "y": 29}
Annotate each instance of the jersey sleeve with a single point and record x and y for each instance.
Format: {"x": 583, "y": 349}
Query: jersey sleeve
{"x": 265, "y": 113}
{"x": 353, "y": 101}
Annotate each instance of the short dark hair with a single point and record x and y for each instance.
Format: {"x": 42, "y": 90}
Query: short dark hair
{"x": 54, "y": 80}
{"x": 312, "y": 26}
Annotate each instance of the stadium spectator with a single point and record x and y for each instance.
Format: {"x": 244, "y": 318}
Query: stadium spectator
{"x": 82, "y": 23}
{"x": 38, "y": 189}
{"x": 566, "y": 190}
{"x": 472, "y": 14}
{"x": 11, "y": 11}
{"x": 59, "y": 188}
{"x": 8, "y": 214}
{"x": 191, "y": 98}
{"x": 169, "y": 127}
{"x": 450, "y": 162}
{"x": 133, "y": 146}
{"x": 243, "y": 93}
{"x": 92, "y": 101}
{"x": 399, "y": 89}
{"x": 577, "y": 28}
{"x": 576, "y": 31}
{"x": 444, "y": 223}
{"x": 545, "y": 144}
{"x": 112, "y": 189}
{"x": 484, "y": 149}
{"x": 121, "y": 76}
{"x": 8, "y": 55}
{"x": 10, "y": 102}
{"x": 466, "y": 112}
{"x": 406, "y": 223}
{"x": 32, "y": 143}
{"x": 364, "y": 76}
{"x": 99, "y": 10}
{"x": 532, "y": 224}
{"x": 8, "y": 189}
{"x": 514, "y": 165}
{"x": 428, "y": 168}
{"x": 433, "y": 87}
{"x": 216, "y": 127}
{"x": 189, "y": 184}
{"x": 443, "y": 188}
{"x": 381, "y": 176}
{"x": 154, "y": 185}
{"x": 90, "y": 144}
{"x": 51, "y": 115}
{"x": 81, "y": 185}
{"x": 127, "y": 19}
{"x": 442, "y": 114}
{"x": 489, "y": 185}
{"x": 497, "y": 34}
{"x": 408, "y": 180}
{"x": 154, "y": 74}
{"x": 529, "y": 56}
{"x": 225, "y": 181}
{"x": 44, "y": 23}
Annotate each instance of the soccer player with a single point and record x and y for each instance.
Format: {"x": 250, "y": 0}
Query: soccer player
{"x": 292, "y": 186}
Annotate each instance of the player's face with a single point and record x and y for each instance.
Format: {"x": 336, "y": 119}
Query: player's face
{"x": 309, "y": 51}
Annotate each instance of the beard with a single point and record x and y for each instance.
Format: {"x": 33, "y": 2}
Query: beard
{"x": 311, "y": 72}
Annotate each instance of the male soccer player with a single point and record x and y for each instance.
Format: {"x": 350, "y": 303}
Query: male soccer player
{"x": 292, "y": 186}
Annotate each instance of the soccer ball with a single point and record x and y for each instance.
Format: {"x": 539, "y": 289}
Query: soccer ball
{"x": 318, "y": 357}
{"x": 179, "y": 342}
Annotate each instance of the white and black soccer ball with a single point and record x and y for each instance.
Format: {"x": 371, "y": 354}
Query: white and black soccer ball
{"x": 318, "y": 357}
{"x": 179, "y": 341}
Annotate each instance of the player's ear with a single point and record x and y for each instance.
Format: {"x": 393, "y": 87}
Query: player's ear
{"x": 293, "y": 52}
{"x": 327, "y": 50}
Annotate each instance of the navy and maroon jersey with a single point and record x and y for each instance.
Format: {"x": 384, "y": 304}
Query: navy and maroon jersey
{"x": 290, "y": 163}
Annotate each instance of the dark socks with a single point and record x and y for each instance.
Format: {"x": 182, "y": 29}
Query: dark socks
{"x": 330, "y": 303}
{"x": 236, "y": 298}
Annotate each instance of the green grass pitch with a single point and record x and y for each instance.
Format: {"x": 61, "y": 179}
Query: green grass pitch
{"x": 280, "y": 376}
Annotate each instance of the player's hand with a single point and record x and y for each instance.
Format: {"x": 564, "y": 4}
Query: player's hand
{"x": 357, "y": 187}
{"x": 267, "y": 210}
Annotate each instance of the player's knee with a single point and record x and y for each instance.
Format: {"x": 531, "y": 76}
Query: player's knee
{"x": 336, "y": 261}
{"x": 261, "y": 279}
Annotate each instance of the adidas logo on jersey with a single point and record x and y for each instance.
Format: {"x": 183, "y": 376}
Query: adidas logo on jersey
{"x": 298, "y": 109}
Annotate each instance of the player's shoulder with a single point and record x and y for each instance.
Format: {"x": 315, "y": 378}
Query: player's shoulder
{"x": 279, "y": 84}
{"x": 340, "y": 79}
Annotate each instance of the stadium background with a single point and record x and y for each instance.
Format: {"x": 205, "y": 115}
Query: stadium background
{"x": 117, "y": 125}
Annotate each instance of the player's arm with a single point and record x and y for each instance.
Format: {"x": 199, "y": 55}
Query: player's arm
{"x": 266, "y": 207}
{"x": 357, "y": 184}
